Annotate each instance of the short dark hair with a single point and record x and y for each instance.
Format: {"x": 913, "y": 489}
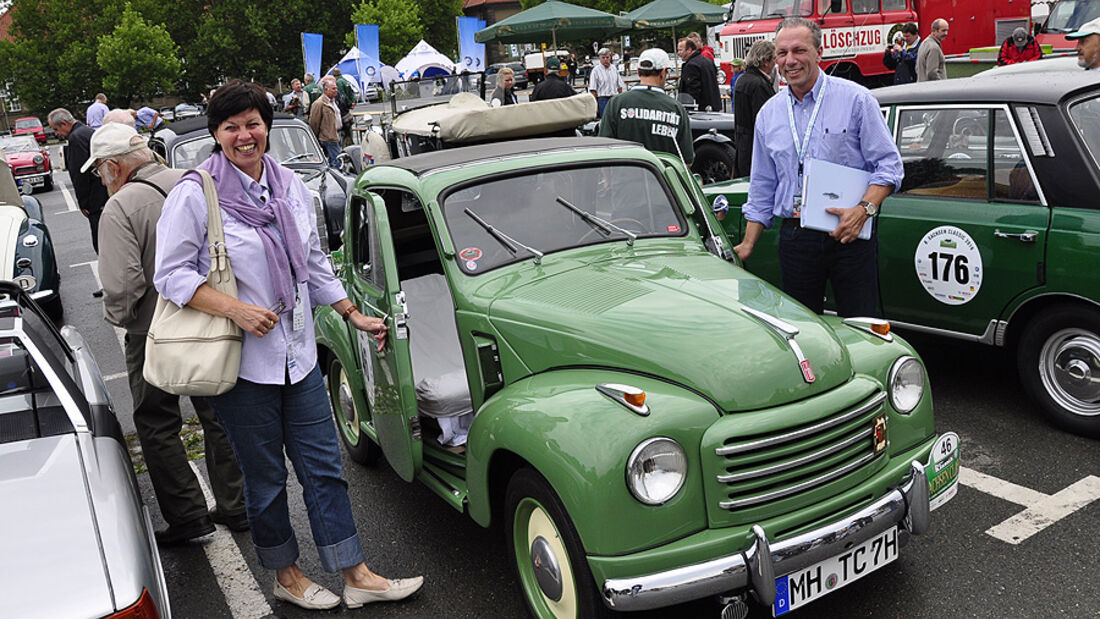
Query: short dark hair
{"x": 688, "y": 43}
{"x": 232, "y": 99}
{"x": 649, "y": 72}
{"x": 909, "y": 28}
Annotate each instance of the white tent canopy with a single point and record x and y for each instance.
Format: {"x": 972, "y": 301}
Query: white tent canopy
{"x": 422, "y": 58}
{"x": 356, "y": 64}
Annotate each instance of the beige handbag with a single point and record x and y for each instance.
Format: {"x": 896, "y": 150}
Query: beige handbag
{"x": 190, "y": 352}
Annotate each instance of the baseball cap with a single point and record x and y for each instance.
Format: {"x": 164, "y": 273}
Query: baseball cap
{"x": 111, "y": 140}
{"x": 653, "y": 59}
{"x": 1019, "y": 36}
{"x": 737, "y": 62}
{"x": 553, "y": 63}
{"x": 603, "y": 52}
{"x": 1092, "y": 27}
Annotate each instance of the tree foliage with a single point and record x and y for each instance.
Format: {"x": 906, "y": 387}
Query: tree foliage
{"x": 399, "y": 26}
{"x": 138, "y": 60}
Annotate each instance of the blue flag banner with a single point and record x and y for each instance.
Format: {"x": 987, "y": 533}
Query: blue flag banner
{"x": 366, "y": 39}
{"x": 471, "y": 53}
{"x": 311, "y": 52}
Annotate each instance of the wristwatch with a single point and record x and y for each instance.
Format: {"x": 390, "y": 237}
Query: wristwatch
{"x": 870, "y": 207}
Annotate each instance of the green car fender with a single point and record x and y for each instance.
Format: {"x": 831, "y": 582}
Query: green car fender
{"x": 579, "y": 440}
{"x": 334, "y": 335}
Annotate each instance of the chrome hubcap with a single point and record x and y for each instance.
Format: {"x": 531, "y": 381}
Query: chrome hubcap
{"x": 347, "y": 406}
{"x": 547, "y": 571}
{"x": 1069, "y": 366}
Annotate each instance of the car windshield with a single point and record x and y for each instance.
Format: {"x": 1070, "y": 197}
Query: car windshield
{"x": 1086, "y": 117}
{"x": 1069, "y": 15}
{"x": 27, "y": 123}
{"x": 432, "y": 90}
{"x": 289, "y": 145}
{"x": 18, "y": 144}
{"x": 553, "y": 210}
{"x": 747, "y": 10}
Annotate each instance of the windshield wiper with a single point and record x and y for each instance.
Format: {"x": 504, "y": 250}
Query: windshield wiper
{"x": 297, "y": 157}
{"x": 502, "y": 238}
{"x": 598, "y": 223}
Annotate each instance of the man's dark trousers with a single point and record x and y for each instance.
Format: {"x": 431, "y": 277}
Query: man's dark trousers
{"x": 807, "y": 258}
{"x": 158, "y": 421}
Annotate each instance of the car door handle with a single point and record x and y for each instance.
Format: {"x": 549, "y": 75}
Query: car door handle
{"x": 1025, "y": 237}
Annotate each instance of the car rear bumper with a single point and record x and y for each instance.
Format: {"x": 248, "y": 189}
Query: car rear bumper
{"x": 906, "y": 505}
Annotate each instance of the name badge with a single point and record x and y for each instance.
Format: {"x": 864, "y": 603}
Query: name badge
{"x": 797, "y": 206}
{"x": 299, "y": 321}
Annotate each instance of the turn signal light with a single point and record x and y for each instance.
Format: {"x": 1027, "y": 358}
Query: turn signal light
{"x": 880, "y": 328}
{"x": 636, "y": 399}
{"x": 144, "y": 608}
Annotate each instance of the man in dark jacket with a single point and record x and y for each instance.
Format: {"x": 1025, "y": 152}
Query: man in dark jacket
{"x": 751, "y": 91}
{"x": 699, "y": 76}
{"x": 554, "y": 86}
{"x": 91, "y": 195}
{"x": 1020, "y": 47}
{"x": 901, "y": 57}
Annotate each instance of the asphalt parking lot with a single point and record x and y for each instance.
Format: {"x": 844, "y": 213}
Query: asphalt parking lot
{"x": 1022, "y": 538}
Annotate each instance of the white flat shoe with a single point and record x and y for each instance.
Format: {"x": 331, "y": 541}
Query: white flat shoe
{"x": 315, "y": 597}
{"x": 400, "y": 588}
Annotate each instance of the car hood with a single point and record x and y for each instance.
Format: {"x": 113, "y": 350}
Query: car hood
{"x": 648, "y": 315}
{"x": 12, "y": 219}
{"x": 49, "y": 532}
{"x": 21, "y": 159}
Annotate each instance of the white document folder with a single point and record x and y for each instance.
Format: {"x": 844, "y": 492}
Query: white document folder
{"x": 827, "y": 185}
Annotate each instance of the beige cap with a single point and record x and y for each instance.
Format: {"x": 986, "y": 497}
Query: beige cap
{"x": 110, "y": 140}
{"x": 1092, "y": 27}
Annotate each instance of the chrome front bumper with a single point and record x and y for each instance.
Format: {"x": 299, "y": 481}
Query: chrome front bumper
{"x": 757, "y": 567}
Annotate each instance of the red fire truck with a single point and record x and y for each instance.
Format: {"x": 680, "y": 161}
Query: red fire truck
{"x": 1066, "y": 16}
{"x": 855, "y": 33}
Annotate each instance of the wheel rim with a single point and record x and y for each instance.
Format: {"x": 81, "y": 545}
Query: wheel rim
{"x": 347, "y": 414}
{"x": 1069, "y": 367}
{"x": 545, "y": 572}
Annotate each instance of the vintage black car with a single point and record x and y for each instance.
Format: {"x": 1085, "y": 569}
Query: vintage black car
{"x": 29, "y": 259}
{"x": 187, "y": 143}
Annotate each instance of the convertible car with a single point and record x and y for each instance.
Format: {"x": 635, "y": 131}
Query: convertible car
{"x": 26, "y": 250}
{"x": 76, "y": 536}
{"x": 187, "y": 143}
{"x": 30, "y": 162}
{"x": 650, "y": 423}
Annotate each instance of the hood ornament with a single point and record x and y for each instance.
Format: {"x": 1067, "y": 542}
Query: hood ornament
{"x": 787, "y": 331}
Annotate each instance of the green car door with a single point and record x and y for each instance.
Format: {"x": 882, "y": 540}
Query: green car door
{"x": 966, "y": 233}
{"x": 387, "y": 374}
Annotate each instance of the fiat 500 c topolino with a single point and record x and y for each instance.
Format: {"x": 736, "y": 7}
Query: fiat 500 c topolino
{"x": 651, "y": 423}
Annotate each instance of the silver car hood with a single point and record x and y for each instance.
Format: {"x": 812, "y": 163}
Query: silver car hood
{"x": 48, "y": 534}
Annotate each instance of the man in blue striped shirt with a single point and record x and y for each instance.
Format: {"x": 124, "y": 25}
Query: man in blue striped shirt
{"x": 831, "y": 119}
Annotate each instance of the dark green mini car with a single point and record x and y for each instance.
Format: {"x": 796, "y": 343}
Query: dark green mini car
{"x": 582, "y": 361}
{"x": 994, "y": 236}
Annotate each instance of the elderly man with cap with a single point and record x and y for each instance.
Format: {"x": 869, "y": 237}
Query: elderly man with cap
{"x": 605, "y": 81}
{"x": 554, "y": 86}
{"x": 138, "y": 185}
{"x": 1020, "y": 47}
{"x": 647, "y": 115}
{"x": 1088, "y": 45}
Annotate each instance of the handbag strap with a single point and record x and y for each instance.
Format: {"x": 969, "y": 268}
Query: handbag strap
{"x": 221, "y": 273}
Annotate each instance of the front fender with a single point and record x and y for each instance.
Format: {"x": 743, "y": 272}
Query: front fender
{"x": 717, "y": 138}
{"x": 580, "y": 440}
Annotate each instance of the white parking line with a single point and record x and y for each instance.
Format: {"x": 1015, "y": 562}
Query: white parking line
{"x": 242, "y": 592}
{"x": 68, "y": 199}
{"x": 1042, "y": 510}
{"x": 120, "y": 333}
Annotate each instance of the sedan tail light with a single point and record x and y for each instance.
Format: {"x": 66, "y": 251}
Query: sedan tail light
{"x": 144, "y": 608}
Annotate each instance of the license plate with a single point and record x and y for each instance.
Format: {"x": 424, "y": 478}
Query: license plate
{"x": 36, "y": 181}
{"x": 804, "y": 586}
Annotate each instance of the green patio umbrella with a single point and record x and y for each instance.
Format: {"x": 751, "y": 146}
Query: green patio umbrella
{"x": 558, "y": 19}
{"x": 664, "y": 14}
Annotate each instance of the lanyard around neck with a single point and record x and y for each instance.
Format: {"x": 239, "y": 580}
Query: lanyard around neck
{"x": 802, "y": 147}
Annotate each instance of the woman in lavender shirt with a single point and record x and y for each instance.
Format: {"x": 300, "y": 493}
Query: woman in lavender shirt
{"x": 279, "y": 402}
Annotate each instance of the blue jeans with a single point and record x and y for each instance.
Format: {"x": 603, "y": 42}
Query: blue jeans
{"x": 809, "y": 258}
{"x": 332, "y": 149}
{"x": 263, "y": 420}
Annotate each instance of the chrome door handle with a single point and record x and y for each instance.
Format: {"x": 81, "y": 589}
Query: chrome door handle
{"x": 1026, "y": 237}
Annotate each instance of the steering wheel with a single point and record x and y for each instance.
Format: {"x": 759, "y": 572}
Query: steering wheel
{"x": 618, "y": 222}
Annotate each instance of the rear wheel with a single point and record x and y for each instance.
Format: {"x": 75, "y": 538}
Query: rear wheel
{"x": 1059, "y": 364}
{"x": 547, "y": 552}
{"x": 359, "y": 446}
{"x": 714, "y": 162}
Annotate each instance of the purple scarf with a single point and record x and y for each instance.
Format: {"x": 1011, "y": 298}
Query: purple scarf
{"x": 282, "y": 256}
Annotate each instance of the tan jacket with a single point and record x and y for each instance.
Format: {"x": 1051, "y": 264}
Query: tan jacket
{"x": 324, "y": 120}
{"x": 930, "y": 61}
{"x": 128, "y": 247}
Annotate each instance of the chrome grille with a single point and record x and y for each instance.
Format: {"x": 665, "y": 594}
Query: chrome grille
{"x": 768, "y": 468}
{"x": 739, "y": 45}
{"x": 26, "y": 169}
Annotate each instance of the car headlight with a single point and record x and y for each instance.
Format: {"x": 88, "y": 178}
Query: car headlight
{"x": 906, "y": 384}
{"x": 38, "y": 159}
{"x": 656, "y": 470}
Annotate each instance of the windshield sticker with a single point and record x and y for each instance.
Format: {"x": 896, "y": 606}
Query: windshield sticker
{"x": 470, "y": 254}
{"x": 942, "y": 470}
{"x": 949, "y": 265}
{"x": 471, "y": 265}
{"x": 674, "y": 228}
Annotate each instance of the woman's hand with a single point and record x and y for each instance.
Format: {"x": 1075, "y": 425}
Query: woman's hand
{"x": 370, "y": 324}
{"x": 253, "y": 318}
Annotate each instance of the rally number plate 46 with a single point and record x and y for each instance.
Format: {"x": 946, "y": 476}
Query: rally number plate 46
{"x": 804, "y": 586}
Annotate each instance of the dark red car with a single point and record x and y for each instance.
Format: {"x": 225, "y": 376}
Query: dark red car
{"x": 30, "y": 126}
{"x": 30, "y": 163}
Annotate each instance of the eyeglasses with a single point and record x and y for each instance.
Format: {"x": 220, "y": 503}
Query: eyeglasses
{"x": 95, "y": 168}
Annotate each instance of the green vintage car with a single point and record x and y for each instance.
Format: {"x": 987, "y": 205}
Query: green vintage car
{"x": 994, "y": 236}
{"x": 571, "y": 351}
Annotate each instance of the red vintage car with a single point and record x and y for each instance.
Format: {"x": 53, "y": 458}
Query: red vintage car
{"x": 30, "y": 126}
{"x": 30, "y": 163}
